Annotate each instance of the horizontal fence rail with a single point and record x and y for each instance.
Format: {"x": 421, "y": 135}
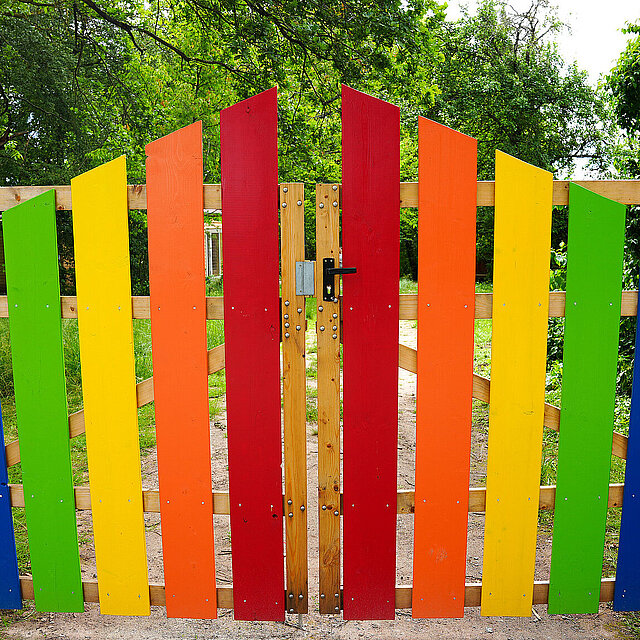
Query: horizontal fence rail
{"x": 623, "y": 191}
{"x": 140, "y": 308}
{"x": 472, "y": 596}
{"x": 406, "y": 499}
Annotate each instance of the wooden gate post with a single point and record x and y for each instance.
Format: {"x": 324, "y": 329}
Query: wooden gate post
{"x": 328, "y": 330}
{"x": 294, "y": 383}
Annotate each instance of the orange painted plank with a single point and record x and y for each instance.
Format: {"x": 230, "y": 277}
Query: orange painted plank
{"x": 446, "y": 297}
{"x": 180, "y": 378}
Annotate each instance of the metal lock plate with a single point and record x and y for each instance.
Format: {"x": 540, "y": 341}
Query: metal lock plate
{"x": 304, "y": 279}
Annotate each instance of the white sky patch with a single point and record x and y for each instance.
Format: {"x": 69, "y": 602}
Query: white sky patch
{"x": 595, "y": 40}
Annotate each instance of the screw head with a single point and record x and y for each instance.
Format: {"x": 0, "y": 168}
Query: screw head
{"x": 337, "y": 609}
{"x": 299, "y": 310}
{"x": 335, "y": 187}
{"x": 336, "y": 513}
{"x": 286, "y": 335}
{"x": 321, "y": 328}
{"x": 324, "y": 507}
{"x": 286, "y": 316}
{"x": 289, "y": 501}
{"x": 284, "y": 205}
{"x": 285, "y": 189}
{"x": 291, "y": 595}
{"x": 336, "y": 595}
{"x": 335, "y": 203}
{"x": 286, "y": 303}
{"x": 322, "y": 595}
{"x": 300, "y": 597}
{"x": 301, "y": 507}
{"x": 299, "y": 202}
{"x": 335, "y": 336}
{"x": 286, "y": 325}
{"x": 297, "y": 327}
{"x": 335, "y": 328}
{"x": 320, "y": 308}
{"x": 335, "y": 315}
{"x": 321, "y": 205}
{"x": 290, "y": 514}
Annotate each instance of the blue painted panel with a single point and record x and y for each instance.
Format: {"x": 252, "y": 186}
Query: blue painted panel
{"x": 627, "y": 590}
{"x": 10, "y": 597}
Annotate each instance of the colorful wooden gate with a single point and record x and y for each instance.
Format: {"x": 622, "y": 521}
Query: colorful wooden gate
{"x": 267, "y": 501}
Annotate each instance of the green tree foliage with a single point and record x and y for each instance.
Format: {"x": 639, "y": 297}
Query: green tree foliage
{"x": 503, "y": 82}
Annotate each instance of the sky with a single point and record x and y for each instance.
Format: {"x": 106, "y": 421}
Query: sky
{"x": 595, "y": 40}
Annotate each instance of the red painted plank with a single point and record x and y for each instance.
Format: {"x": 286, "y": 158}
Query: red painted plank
{"x": 249, "y": 147}
{"x": 180, "y": 378}
{"x": 446, "y": 303}
{"x": 371, "y": 239}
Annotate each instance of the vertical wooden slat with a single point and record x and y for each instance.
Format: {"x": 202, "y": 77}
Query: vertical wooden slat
{"x": 180, "y": 378}
{"x": 327, "y": 246}
{"x": 31, "y": 254}
{"x": 446, "y": 297}
{"x": 595, "y": 249}
{"x": 249, "y": 134}
{"x": 627, "y": 590}
{"x": 101, "y": 238}
{"x": 518, "y": 363}
{"x": 371, "y": 239}
{"x": 294, "y": 397}
{"x": 9, "y": 578}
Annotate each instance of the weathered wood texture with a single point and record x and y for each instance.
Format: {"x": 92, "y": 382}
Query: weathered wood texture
{"x": 294, "y": 394}
{"x": 329, "y": 504}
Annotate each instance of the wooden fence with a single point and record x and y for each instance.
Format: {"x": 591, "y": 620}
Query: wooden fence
{"x": 270, "y": 578}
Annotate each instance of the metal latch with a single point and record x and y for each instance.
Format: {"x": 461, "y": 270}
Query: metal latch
{"x": 329, "y": 273}
{"x": 305, "y": 285}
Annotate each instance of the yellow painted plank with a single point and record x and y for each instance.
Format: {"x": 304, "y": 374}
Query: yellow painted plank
{"x": 516, "y": 413}
{"x": 101, "y": 237}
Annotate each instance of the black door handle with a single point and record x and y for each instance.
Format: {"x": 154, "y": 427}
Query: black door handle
{"x": 329, "y": 273}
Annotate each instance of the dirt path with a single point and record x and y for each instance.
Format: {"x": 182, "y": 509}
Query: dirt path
{"x": 540, "y": 626}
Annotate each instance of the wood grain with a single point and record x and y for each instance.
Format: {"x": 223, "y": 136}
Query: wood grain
{"x": 294, "y": 394}
{"x": 329, "y": 505}
{"x": 405, "y": 499}
{"x": 408, "y": 306}
{"x": 403, "y": 595}
{"x": 623, "y": 191}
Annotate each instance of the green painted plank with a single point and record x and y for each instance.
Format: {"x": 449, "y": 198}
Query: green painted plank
{"x": 31, "y": 256}
{"x": 594, "y": 290}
